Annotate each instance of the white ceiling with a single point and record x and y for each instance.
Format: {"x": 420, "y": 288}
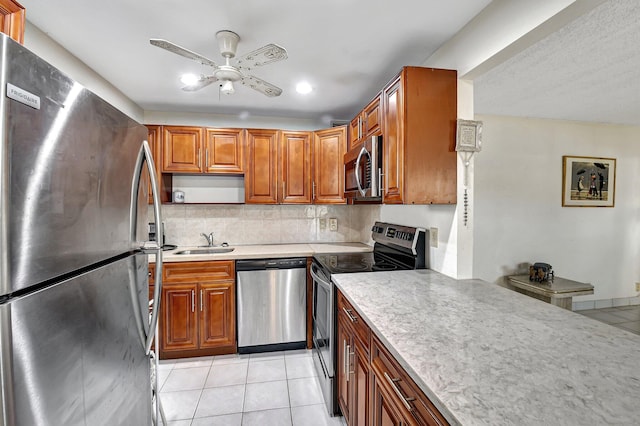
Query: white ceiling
{"x": 587, "y": 71}
{"x": 348, "y": 49}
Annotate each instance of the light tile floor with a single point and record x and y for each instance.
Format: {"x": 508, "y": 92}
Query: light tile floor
{"x": 268, "y": 389}
{"x": 624, "y": 317}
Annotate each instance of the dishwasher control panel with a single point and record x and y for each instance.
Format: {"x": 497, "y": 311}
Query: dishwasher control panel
{"x": 258, "y": 264}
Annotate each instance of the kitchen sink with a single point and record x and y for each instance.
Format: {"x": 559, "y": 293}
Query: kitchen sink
{"x": 211, "y": 250}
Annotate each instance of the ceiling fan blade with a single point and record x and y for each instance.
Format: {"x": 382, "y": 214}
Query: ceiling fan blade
{"x": 261, "y": 86}
{"x": 174, "y": 48}
{"x": 262, "y": 56}
{"x": 203, "y": 82}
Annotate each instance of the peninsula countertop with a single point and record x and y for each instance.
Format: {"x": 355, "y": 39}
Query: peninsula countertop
{"x": 264, "y": 251}
{"x": 487, "y": 355}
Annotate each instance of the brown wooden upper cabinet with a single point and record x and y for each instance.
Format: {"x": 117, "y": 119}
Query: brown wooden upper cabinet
{"x": 164, "y": 181}
{"x": 261, "y": 175}
{"x": 329, "y": 147}
{"x": 418, "y": 136}
{"x": 294, "y": 173}
{"x": 278, "y": 167}
{"x": 366, "y": 123}
{"x": 295, "y": 167}
{"x": 12, "y": 16}
{"x": 223, "y": 151}
{"x": 197, "y": 150}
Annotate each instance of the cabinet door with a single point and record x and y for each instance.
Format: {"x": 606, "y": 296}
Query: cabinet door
{"x": 360, "y": 384}
{"x": 385, "y": 411}
{"x": 295, "y": 168}
{"x": 328, "y": 158}
{"x": 217, "y": 315}
{"x": 179, "y": 317}
{"x": 223, "y": 151}
{"x": 393, "y": 142}
{"x": 355, "y": 129}
{"x": 182, "y": 149}
{"x": 344, "y": 346}
{"x": 154, "y": 139}
{"x": 261, "y": 173}
{"x": 372, "y": 118}
{"x": 12, "y": 20}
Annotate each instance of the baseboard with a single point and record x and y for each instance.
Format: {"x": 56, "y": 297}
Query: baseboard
{"x": 606, "y": 303}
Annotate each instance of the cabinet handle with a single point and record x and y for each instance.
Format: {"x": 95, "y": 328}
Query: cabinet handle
{"x": 344, "y": 360}
{"x": 359, "y": 127}
{"x": 201, "y": 299}
{"x": 313, "y": 190}
{"x": 193, "y": 300}
{"x": 206, "y": 156}
{"x": 199, "y": 158}
{"x": 349, "y": 314}
{"x": 349, "y": 354}
{"x": 405, "y": 400}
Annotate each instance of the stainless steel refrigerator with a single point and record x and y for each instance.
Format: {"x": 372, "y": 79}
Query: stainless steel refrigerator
{"x": 75, "y": 323}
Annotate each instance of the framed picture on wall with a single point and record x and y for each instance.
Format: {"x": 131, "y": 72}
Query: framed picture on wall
{"x": 588, "y": 181}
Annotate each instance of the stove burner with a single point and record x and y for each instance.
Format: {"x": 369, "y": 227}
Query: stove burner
{"x": 384, "y": 267}
{"x": 350, "y": 267}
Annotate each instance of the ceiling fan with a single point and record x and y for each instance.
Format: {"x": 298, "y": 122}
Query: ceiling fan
{"x": 228, "y": 74}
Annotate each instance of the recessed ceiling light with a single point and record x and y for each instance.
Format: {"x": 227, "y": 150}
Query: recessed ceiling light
{"x": 189, "y": 79}
{"x": 303, "y": 88}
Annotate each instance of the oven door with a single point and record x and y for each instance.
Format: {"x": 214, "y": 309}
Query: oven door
{"x": 323, "y": 321}
{"x": 362, "y": 172}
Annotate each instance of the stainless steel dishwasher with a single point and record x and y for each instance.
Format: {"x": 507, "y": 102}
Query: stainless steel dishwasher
{"x": 272, "y": 304}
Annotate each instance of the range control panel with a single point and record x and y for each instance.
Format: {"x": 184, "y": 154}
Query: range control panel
{"x": 398, "y": 235}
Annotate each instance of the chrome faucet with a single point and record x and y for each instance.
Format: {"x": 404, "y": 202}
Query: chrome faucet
{"x": 209, "y": 238}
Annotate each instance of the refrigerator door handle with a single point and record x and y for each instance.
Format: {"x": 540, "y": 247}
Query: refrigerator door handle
{"x": 145, "y": 154}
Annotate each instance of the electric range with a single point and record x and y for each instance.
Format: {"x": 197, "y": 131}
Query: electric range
{"x": 396, "y": 247}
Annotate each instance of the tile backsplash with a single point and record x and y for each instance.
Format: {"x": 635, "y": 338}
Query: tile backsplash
{"x": 266, "y": 224}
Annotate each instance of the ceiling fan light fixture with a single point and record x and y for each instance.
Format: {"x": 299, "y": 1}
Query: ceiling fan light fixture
{"x": 227, "y": 88}
{"x": 189, "y": 79}
{"x": 304, "y": 88}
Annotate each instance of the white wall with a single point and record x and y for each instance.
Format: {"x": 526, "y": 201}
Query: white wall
{"x": 227, "y": 120}
{"x": 444, "y": 258}
{"x": 48, "y": 49}
{"x": 519, "y": 216}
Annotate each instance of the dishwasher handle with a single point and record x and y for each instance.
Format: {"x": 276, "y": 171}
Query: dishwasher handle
{"x": 264, "y": 264}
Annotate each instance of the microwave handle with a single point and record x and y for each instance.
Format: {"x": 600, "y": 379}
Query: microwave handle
{"x": 362, "y": 152}
{"x": 380, "y": 184}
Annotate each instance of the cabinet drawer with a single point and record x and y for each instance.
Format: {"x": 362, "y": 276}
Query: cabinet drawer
{"x": 422, "y": 409}
{"x": 198, "y": 271}
{"x": 352, "y": 317}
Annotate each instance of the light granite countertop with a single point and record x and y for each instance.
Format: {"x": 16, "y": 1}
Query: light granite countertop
{"x": 486, "y": 355}
{"x": 264, "y": 251}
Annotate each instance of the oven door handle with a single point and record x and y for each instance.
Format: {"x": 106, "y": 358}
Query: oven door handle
{"x": 319, "y": 279}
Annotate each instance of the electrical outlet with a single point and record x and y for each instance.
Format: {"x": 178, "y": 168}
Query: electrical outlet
{"x": 333, "y": 224}
{"x": 637, "y": 286}
{"x": 323, "y": 224}
{"x": 433, "y": 237}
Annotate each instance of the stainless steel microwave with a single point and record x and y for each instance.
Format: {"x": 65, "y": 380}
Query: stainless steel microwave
{"x": 363, "y": 171}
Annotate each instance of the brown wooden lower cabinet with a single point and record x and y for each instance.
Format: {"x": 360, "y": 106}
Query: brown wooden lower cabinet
{"x": 353, "y": 363}
{"x": 373, "y": 389}
{"x": 197, "y": 315}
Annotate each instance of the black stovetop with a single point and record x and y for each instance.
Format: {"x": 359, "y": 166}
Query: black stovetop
{"x": 396, "y": 247}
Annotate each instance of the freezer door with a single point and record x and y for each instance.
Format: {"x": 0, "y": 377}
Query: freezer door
{"x": 67, "y": 164}
{"x": 72, "y": 354}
